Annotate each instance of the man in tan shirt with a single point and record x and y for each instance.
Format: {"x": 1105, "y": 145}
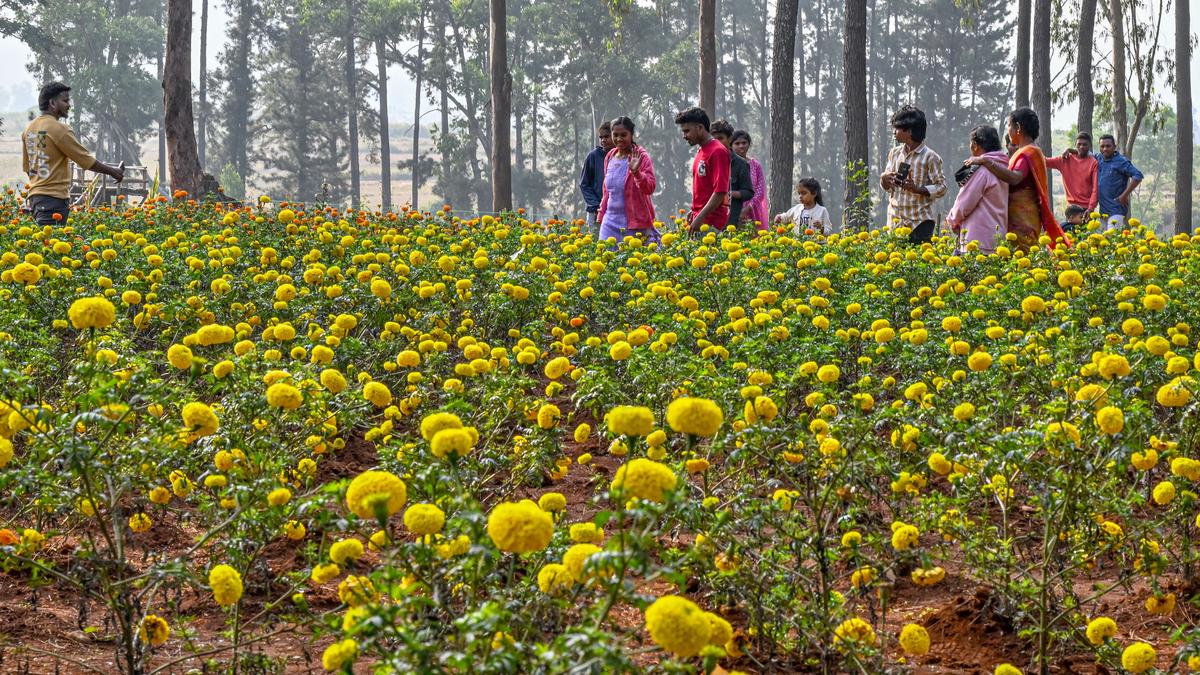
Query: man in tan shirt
{"x": 48, "y": 145}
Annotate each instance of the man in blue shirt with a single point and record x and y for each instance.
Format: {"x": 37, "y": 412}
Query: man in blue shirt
{"x": 1116, "y": 178}
{"x": 591, "y": 179}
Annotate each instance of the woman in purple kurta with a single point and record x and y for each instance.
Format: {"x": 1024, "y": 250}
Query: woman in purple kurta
{"x": 755, "y": 210}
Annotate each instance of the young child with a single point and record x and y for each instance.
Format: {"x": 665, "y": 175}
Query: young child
{"x": 810, "y": 213}
{"x": 1075, "y": 216}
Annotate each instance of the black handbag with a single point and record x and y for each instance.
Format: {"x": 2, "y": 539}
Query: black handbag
{"x": 964, "y": 174}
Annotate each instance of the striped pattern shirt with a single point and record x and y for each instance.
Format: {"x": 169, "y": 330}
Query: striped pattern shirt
{"x": 909, "y": 208}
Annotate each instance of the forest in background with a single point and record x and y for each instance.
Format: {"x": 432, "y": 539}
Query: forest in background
{"x": 294, "y": 93}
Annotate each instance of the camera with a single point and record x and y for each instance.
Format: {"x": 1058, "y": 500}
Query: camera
{"x": 902, "y": 172}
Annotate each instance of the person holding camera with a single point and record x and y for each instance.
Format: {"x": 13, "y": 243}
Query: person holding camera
{"x": 913, "y": 177}
{"x": 48, "y": 145}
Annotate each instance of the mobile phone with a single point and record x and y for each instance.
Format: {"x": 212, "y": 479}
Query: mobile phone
{"x": 902, "y": 172}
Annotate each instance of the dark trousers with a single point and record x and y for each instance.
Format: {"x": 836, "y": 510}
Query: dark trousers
{"x": 922, "y": 233}
{"x": 44, "y": 207}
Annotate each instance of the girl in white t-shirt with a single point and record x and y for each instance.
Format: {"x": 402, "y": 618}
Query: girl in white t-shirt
{"x": 810, "y": 213}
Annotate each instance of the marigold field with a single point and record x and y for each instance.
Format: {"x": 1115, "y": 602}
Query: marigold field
{"x": 264, "y": 439}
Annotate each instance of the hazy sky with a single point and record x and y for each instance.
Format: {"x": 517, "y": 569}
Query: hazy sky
{"x": 18, "y": 90}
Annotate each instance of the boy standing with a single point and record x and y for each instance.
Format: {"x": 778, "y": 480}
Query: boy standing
{"x": 710, "y": 171}
{"x": 591, "y": 178}
{"x": 741, "y": 187}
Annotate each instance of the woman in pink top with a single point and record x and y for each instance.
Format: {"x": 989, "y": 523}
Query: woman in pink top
{"x": 625, "y": 206}
{"x": 980, "y": 212}
{"x": 755, "y": 210}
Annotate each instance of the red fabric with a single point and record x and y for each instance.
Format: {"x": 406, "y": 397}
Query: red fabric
{"x": 639, "y": 186}
{"x": 710, "y": 173}
{"x": 1035, "y": 162}
{"x": 1078, "y": 177}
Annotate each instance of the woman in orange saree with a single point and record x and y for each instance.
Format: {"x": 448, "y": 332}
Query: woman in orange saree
{"x": 1029, "y": 212}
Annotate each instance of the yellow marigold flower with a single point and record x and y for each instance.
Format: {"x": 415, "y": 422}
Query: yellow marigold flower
{"x": 927, "y": 576}
{"x": 435, "y": 422}
{"x": 557, "y": 367}
{"x": 154, "y": 630}
{"x": 214, "y": 334}
{"x": 695, "y": 416}
{"x": 294, "y": 530}
{"x": 1007, "y": 669}
{"x": 333, "y": 380}
{"x": 95, "y": 312}
{"x": 424, "y": 519}
{"x": 851, "y": 539}
{"x": 854, "y": 630}
{"x": 1065, "y": 430}
{"x": 1138, "y": 657}
{"x": 140, "y": 522}
{"x": 678, "y": 626}
{"x": 372, "y": 490}
{"x": 905, "y": 537}
{"x": 179, "y": 356}
{"x": 1100, "y": 629}
{"x": 979, "y": 361}
{"x": 200, "y": 419}
{"x": 455, "y": 547}
{"x": 862, "y": 576}
{"x": 582, "y": 432}
{"x": 576, "y": 557}
{"x": 346, "y": 551}
{"x": 964, "y": 411}
{"x": 456, "y": 441}
{"x": 279, "y": 496}
{"x": 553, "y": 578}
{"x": 1110, "y": 420}
{"x": 829, "y": 373}
{"x": 1176, "y": 393}
{"x": 285, "y": 396}
{"x": 552, "y": 502}
{"x": 520, "y": 527}
{"x": 356, "y": 590}
{"x": 1164, "y": 493}
{"x": 325, "y": 573}
{"x": 1033, "y": 304}
{"x": 914, "y": 639}
{"x": 6, "y": 452}
{"x": 25, "y": 273}
{"x": 620, "y": 351}
{"x": 408, "y": 359}
{"x": 226, "y": 585}
{"x": 630, "y": 420}
{"x": 645, "y": 479}
{"x": 339, "y": 654}
{"x": 586, "y": 533}
{"x": 548, "y": 416}
{"x": 378, "y": 394}
{"x": 698, "y": 465}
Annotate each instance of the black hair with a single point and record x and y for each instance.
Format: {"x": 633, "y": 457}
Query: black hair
{"x": 911, "y": 119}
{"x": 604, "y": 126}
{"x": 741, "y": 134}
{"x": 693, "y": 115}
{"x": 1084, "y": 136}
{"x": 723, "y": 127}
{"x": 1075, "y": 210}
{"x": 50, "y": 92}
{"x": 814, "y": 186}
{"x": 1027, "y": 119}
{"x": 986, "y": 137}
{"x": 622, "y": 121}
{"x": 1109, "y": 137}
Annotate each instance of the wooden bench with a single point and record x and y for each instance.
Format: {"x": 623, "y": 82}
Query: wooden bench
{"x": 97, "y": 189}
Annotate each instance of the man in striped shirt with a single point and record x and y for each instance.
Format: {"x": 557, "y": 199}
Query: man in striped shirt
{"x": 912, "y": 191}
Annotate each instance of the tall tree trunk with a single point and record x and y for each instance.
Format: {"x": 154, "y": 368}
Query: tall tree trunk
{"x": 414, "y": 198}
{"x": 1120, "y": 116}
{"x": 501, "y": 90}
{"x": 202, "y": 122}
{"x": 1183, "y": 118}
{"x": 162, "y": 126}
{"x": 177, "y": 99}
{"x": 783, "y": 106}
{"x": 1023, "y": 20}
{"x": 444, "y": 133}
{"x": 801, "y": 76}
{"x": 352, "y": 103}
{"x": 241, "y": 94}
{"x": 385, "y": 140}
{"x": 857, "y": 213}
{"x": 708, "y": 57}
{"x": 1083, "y": 65}
{"x": 1040, "y": 94}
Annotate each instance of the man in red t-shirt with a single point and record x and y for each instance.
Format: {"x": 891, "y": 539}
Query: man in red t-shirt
{"x": 1079, "y": 169}
{"x": 710, "y": 171}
